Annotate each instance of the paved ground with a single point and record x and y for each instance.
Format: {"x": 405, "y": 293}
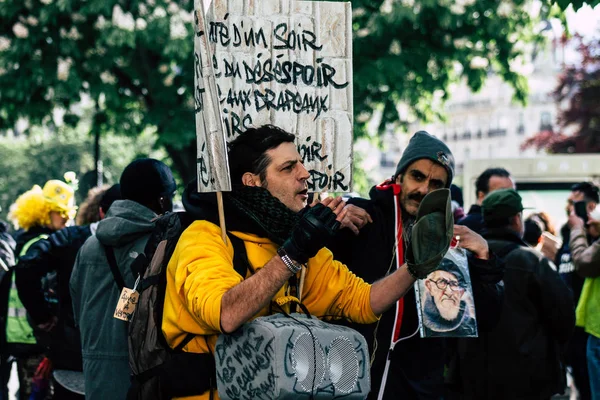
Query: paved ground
{"x": 13, "y": 385}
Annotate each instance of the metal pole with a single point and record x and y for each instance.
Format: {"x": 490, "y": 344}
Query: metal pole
{"x": 97, "y": 161}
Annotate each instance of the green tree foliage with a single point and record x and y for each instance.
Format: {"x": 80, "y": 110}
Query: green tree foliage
{"x": 134, "y": 60}
{"x": 577, "y": 4}
{"x": 578, "y": 87}
{"x": 408, "y": 52}
{"x": 39, "y": 158}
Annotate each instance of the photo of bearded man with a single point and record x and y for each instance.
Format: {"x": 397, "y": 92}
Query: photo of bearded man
{"x": 448, "y": 307}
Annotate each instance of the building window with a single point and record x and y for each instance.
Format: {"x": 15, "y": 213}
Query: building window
{"x": 496, "y": 132}
{"x": 521, "y": 125}
{"x": 546, "y": 121}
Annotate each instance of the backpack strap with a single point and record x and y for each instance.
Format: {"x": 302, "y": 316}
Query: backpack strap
{"x": 112, "y": 263}
{"x": 188, "y": 338}
{"x": 240, "y": 257}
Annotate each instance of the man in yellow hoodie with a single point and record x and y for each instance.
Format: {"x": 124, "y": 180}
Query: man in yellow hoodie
{"x": 205, "y": 296}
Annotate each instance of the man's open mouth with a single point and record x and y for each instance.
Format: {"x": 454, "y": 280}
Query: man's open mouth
{"x": 303, "y": 193}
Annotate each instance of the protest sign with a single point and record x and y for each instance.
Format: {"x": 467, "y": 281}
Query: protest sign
{"x": 275, "y": 62}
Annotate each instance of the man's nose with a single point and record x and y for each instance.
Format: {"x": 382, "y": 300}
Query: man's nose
{"x": 303, "y": 174}
{"x": 423, "y": 188}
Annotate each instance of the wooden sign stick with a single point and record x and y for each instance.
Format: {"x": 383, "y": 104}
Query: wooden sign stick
{"x": 222, "y": 216}
{"x": 301, "y": 286}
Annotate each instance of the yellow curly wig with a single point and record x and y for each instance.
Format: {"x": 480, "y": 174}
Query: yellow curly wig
{"x": 31, "y": 209}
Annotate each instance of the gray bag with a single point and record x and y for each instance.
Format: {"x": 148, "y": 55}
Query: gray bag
{"x": 292, "y": 357}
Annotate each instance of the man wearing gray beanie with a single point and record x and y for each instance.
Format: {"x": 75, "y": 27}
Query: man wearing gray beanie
{"x": 404, "y": 365}
{"x": 103, "y": 269}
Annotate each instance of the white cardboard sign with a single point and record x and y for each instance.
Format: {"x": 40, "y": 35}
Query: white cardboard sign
{"x": 281, "y": 62}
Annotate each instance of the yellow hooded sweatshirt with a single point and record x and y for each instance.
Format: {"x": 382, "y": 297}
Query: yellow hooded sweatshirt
{"x": 201, "y": 271}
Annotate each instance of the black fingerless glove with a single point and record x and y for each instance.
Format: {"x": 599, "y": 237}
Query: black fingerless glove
{"x": 312, "y": 233}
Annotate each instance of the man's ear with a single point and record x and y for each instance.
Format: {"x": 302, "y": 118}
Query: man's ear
{"x": 249, "y": 179}
{"x": 101, "y": 213}
{"x": 428, "y": 285}
{"x": 480, "y": 196}
{"x": 516, "y": 220}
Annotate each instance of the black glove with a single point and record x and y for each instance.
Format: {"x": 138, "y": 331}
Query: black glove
{"x": 312, "y": 233}
{"x": 429, "y": 243}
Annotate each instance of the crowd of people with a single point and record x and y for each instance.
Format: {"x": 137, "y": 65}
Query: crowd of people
{"x": 534, "y": 301}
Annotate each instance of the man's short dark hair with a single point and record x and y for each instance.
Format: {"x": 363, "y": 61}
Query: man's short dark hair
{"x": 533, "y": 231}
{"x": 589, "y": 190}
{"x": 482, "y": 184}
{"x": 248, "y": 152}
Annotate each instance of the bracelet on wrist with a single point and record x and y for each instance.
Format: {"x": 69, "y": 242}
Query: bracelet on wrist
{"x": 293, "y": 266}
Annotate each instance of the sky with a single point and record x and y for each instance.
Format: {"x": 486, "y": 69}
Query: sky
{"x": 586, "y": 21}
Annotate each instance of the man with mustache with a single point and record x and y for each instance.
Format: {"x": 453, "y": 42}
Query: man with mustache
{"x": 447, "y": 308}
{"x": 267, "y": 210}
{"x": 415, "y": 366}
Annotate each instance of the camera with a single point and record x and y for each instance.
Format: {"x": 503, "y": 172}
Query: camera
{"x": 581, "y": 210}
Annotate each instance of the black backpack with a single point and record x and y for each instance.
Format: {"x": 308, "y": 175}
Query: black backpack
{"x": 159, "y": 372}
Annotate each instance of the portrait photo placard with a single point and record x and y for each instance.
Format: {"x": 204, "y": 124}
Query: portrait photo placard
{"x": 445, "y": 303}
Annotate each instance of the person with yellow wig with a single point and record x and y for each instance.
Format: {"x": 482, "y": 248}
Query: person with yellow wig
{"x": 36, "y": 213}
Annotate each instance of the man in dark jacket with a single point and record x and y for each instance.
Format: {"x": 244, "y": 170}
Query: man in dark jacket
{"x": 415, "y": 366}
{"x": 491, "y": 179}
{"x": 520, "y": 358}
{"x": 147, "y": 188}
{"x": 7, "y": 262}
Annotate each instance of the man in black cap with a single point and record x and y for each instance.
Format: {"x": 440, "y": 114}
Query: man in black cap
{"x": 520, "y": 358}
{"x": 147, "y": 189}
{"x": 415, "y": 367}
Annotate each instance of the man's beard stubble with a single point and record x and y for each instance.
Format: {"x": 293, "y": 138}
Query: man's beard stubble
{"x": 408, "y": 222}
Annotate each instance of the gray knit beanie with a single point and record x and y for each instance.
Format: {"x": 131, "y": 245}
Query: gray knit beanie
{"x": 424, "y": 145}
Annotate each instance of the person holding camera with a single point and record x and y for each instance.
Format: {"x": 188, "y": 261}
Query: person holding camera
{"x": 582, "y": 194}
{"x": 586, "y": 260}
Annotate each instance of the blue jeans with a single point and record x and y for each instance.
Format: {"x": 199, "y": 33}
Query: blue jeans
{"x": 593, "y": 359}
